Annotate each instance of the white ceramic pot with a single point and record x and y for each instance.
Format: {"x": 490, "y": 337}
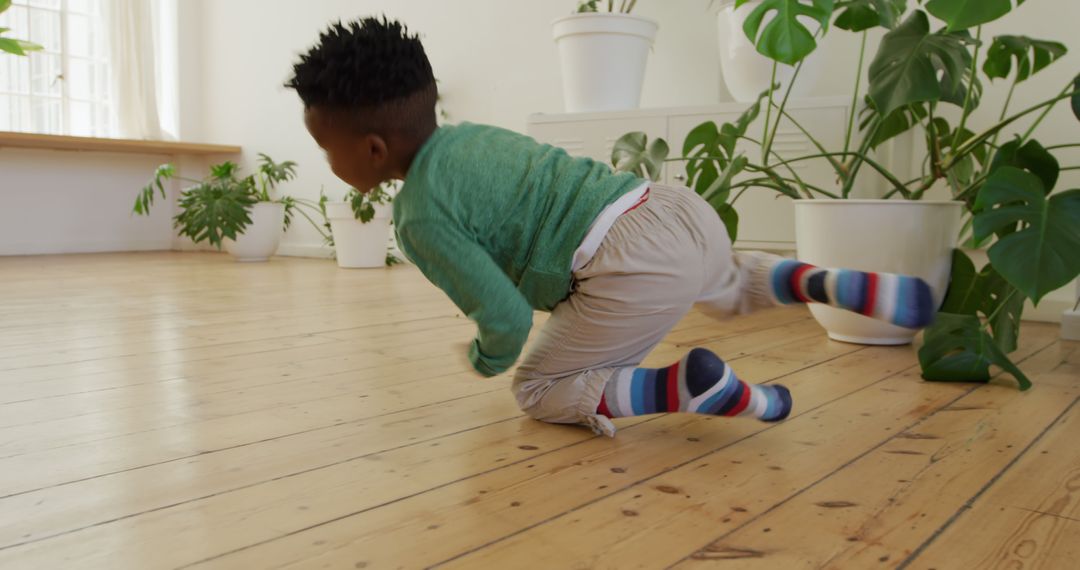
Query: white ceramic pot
{"x": 895, "y": 236}
{"x": 603, "y": 58}
{"x": 357, "y": 244}
{"x": 262, "y": 236}
{"x": 746, "y": 72}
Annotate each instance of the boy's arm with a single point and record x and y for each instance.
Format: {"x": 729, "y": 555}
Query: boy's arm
{"x": 472, "y": 280}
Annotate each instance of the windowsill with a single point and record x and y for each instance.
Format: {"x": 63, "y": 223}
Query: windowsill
{"x": 125, "y": 146}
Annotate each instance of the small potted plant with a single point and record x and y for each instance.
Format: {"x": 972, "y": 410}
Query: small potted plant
{"x": 603, "y": 50}
{"x": 360, "y": 227}
{"x": 1003, "y": 190}
{"x": 231, "y": 211}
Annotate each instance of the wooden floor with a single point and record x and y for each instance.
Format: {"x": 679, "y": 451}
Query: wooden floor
{"x": 185, "y": 411}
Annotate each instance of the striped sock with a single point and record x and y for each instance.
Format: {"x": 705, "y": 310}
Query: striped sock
{"x": 898, "y": 299}
{"x": 700, "y": 383}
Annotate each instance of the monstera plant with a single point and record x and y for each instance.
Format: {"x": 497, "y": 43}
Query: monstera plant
{"x": 931, "y": 80}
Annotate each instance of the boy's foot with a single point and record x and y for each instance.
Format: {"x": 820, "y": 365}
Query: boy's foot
{"x": 898, "y": 299}
{"x": 700, "y": 383}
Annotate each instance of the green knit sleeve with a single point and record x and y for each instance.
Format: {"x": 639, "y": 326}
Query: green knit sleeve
{"x": 466, "y": 273}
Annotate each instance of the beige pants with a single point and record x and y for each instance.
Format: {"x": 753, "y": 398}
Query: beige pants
{"x": 655, "y": 264}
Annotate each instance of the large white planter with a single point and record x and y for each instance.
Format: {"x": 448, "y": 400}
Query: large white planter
{"x": 895, "y": 236}
{"x": 359, "y": 245}
{"x": 262, "y": 236}
{"x": 746, "y": 72}
{"x": 603, "y": 58}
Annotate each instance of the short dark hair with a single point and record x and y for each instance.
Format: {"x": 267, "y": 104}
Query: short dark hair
{"x": 371, "y": 67}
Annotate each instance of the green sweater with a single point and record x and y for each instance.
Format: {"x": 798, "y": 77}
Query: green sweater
{"x": 493, "y": 218}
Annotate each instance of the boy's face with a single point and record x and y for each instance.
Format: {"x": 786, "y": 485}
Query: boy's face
{"x": 360, "y": 160}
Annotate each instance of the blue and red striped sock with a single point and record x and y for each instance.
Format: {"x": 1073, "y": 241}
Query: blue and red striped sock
{"x": 700, "y": 383}
{"x": 898, "y": 299}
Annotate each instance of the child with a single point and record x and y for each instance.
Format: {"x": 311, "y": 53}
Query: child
{"x": 505, "y": 225}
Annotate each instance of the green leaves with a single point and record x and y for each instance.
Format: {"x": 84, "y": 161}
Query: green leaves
{"x": 1031, "y": 56}
{"x": 1041, "y": 255}
{"x": 275, "y": 172}
{"x": 964, "y": 14}
{"x": 860, "y": 15}
{"x": 213, "y": 211}
{"x": 633, "y": 153}
{"x": 145, "y": 199}
{"x": 913, "y": 65}
{"x": 785, "y": 38}
{"x": 957, "y": 348}
{"x": 1031, "y": 157}
{"x": 1076, "y": 98}
{"x": 363, "y": 203}
{"x": 12, "y": 45}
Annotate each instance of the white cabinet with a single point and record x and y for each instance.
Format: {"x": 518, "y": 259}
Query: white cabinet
{"x": 767, "y": 220}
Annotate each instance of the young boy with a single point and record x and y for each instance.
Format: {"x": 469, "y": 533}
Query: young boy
{"x": 505, "y": 225}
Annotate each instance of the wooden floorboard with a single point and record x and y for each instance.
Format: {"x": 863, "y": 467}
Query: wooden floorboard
{"x": 166, "y": 410}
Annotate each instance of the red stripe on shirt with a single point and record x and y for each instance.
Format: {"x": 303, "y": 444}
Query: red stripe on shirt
{"x": 871, "y": 294}
{"x": 673, "y": 388}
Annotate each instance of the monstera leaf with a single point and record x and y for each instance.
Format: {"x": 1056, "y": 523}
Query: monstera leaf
{"x": 985, "y": 294}
{"x": 1032, "y": 157}
{"x": 1041, "y": 254}
{"x": 633, "y": 153}
{"x": 785, "y": 38}
{"x": 860, "y": 15}
{"x": 957, "y": 348}
{"x": 1031, "y": 56}
{"x": 913, "y": 65}
{"x": 1076, "y": 98}
{"x": 964, "y": 14}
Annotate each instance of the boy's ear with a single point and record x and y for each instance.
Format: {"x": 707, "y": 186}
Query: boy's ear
{"x": 377, "y": 149}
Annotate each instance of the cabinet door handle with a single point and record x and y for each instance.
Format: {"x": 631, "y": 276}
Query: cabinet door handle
{"x": 680, "y": 177}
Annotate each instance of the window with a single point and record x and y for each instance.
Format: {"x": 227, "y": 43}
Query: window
{"x": 64, "y": 89}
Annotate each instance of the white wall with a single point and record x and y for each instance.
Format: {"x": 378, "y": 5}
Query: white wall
{"x": 74, "y": 202}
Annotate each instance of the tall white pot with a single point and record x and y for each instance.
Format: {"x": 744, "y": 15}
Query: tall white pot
{"x": 603, "y": 58}
{"x": 262, "y": 236}
{"x": 746, "y": 72}
{"x": 357, "y": 244}
{"x": 895, "y": 236}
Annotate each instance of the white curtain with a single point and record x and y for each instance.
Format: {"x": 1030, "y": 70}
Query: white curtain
{"x": 130, "y": 25}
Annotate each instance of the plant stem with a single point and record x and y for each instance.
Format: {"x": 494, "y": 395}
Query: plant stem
{"x": 768, "y": 116}
{"x": 851, "y": 172}
{"x": 1042, "y": 116}
{"x": 758, "y": 181}
{"x": 975, "y": 141}
{"x": 1070, "y": 168}
{"x": 783, "y": 106}
{"x": 855, "y": 95}
{"x": 1057, "y": 146}
{"x": 839, "y": 168}
{"x": 899, "y": 186}
{"x": 971, "y": 89}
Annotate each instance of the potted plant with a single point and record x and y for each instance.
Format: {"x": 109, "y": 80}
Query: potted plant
{"x": 361, "y": 228}
{"x": 230, "y": 211}
{"x": 1002, "y": 188}
{"x": 746, "y": 72}
{"x": 12, "y": 45}
{"x": 603, "y": 49}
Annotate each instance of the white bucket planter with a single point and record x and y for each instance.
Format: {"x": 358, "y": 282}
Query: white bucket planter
{"x": 603, "y": 58}
{"x": 895, "y": 236}
{"x": 262, "y": 236}
{"x": 357, "y": 244}
{"x": 746, "y": 72}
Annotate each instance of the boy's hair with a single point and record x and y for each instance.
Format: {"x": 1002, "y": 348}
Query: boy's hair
{"x": 373, "y": 70}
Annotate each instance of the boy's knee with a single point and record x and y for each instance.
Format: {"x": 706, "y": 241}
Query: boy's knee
{"x": 567, "y": 400}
